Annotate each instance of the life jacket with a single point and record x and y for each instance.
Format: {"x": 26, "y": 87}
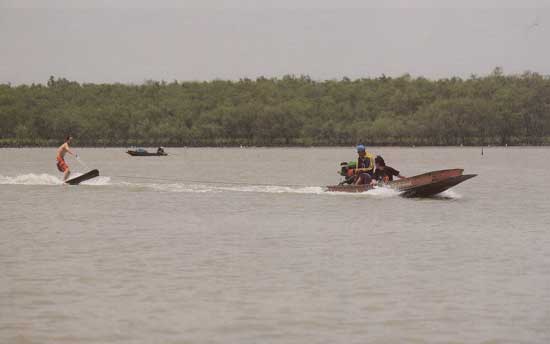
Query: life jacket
{"x": 362, "y": 163}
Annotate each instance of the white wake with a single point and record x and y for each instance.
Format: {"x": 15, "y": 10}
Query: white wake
{"x": 48, "y": 179}
{"x": 31, "y": 179}
{"x": 379, "y": 192}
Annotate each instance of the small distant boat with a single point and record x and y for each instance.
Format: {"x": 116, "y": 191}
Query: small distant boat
{"x": 142, "y": 152}
{"x": 423, "y": 185}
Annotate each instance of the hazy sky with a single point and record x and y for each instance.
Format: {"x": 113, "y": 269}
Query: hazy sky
{"x": 134, "y": 40}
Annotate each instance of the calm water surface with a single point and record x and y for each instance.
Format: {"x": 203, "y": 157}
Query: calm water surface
{"x": 172, "y": 259}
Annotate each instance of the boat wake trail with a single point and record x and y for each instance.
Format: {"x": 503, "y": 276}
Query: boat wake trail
{"x": 273, "y": 189}
{"x": 192, "y": 186}
{"x": 203, "y": 188}
{"x": 47, "y": 179}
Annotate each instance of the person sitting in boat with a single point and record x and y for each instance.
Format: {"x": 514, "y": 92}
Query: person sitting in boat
{"x": 160, "y": 150}
{"x": 384, "y": 173}
{"x": 365, "y": 166}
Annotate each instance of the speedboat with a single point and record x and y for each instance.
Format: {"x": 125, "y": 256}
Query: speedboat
{"x": 423, "y": 185}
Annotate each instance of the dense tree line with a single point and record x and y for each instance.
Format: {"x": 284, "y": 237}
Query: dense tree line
{"x": 495, "y": 109}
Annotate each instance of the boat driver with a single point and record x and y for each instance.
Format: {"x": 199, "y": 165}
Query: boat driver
{"x": 365, "y": 166}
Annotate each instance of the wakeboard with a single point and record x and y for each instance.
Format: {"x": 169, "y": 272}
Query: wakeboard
{"x": 82, "y": 178}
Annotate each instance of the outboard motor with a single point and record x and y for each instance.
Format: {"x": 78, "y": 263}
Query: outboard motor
{"x": 347, "y": 170}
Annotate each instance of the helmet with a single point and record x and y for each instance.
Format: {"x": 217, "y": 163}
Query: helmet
{"x": 360, "y": 148}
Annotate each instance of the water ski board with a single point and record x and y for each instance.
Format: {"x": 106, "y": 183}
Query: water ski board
{"x": 84, "y": 177}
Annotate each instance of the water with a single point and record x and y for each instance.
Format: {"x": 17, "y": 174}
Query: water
{"x": 266, "y": 255}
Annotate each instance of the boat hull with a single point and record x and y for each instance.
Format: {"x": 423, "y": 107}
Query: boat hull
{"x": 349, "y": 188}
{"x": 432, "y": 189}
{"x": 423, "y": 185}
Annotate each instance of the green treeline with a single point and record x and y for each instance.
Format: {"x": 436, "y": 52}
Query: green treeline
{"x": 495, "y": 109}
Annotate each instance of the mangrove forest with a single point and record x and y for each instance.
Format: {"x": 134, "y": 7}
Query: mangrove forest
{"x": 496, "y": 109}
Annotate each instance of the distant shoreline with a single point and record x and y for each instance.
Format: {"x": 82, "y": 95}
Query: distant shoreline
{"x": 282, "y": 146}
{"x": 293, "y": 111}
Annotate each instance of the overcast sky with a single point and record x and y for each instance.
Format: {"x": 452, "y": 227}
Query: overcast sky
{"x": 130, "y": 41}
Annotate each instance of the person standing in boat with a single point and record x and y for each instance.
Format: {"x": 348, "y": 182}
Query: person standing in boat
{"x": 61, "y": 151}
{"x": 365, "y": 166}
{"x": 384, "y": 173}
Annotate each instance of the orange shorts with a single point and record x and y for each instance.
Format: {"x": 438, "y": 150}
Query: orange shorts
{"x": 61, "y": 164}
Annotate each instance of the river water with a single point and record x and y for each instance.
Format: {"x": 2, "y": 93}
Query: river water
{"x": 151, "y": 253}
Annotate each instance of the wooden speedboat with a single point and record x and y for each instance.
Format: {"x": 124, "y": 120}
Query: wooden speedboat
{"x": 422, "y": 185}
